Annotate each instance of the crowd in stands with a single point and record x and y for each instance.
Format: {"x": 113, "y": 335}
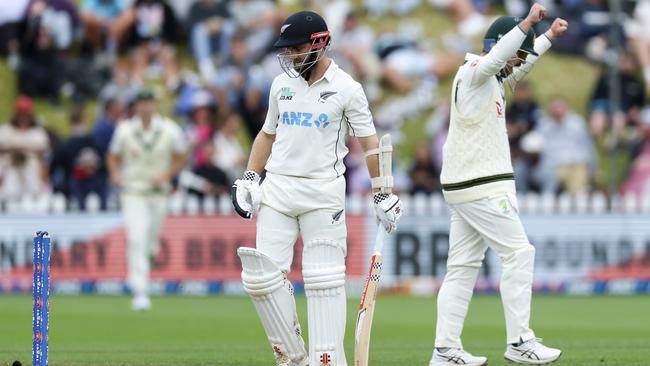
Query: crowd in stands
{"x": 212, "y": 64}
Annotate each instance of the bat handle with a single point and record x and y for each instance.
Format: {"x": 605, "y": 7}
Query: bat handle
{"x": 379, "y": 240}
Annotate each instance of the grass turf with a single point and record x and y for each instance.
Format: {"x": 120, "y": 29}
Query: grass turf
{"x": 90, "y": 330}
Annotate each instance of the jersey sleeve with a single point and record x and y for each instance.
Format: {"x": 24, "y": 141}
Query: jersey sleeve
{"x": 542, "y": 44}
{"x": 492, "y": 63}
{"x": 272, "y": 114}
{"x": 357, "y": 114}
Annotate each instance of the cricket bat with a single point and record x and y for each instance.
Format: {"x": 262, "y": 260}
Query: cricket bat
{"x": 371, "y": 287}
{"x": 367, "y": 306}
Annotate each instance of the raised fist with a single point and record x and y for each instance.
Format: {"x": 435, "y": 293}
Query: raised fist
{"x": 536, "y": 14}
{"x": 557, "y": 29}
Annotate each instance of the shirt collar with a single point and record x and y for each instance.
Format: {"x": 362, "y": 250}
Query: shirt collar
{"x": 331, "y": 71}
{"x": 471, "y": 57}
{"x": 155, "y": 123}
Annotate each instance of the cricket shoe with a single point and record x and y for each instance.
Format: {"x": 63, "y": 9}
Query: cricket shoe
{"x": 456, "y": 356}
{"x": 531, "y": 352}
{"x": 141, "y": 303}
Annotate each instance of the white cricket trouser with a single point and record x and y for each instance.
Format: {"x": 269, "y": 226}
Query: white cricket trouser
{"x": 489, "y": 222}
{"x": 143, "y": 218}
{"x": 315, "y": 210}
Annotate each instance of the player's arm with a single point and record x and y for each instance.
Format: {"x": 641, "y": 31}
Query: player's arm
{"x": 542, "y": 44}
{"x": 371, "y": 143}
{"x": 114, "y": 157}
{"x": 180, "y": 154}
{"x": 245, "y": 192}
{"x": 492, "y": 63}
{"x": 260, "y": 152}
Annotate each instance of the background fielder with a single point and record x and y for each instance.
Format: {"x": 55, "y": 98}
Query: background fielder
{"x": 478, "y": 184}
{"x": 312, "y": 108}
{"x": 146, "y": 152}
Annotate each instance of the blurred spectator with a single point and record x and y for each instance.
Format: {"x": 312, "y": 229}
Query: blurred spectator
{"x": 522, "y": 116}
{"x": 105, "y": 125}
{"x": 379, "y": 8}
{"x": 567, "y": 157}
{"x": 356, "y": 172}
{"x": 59, "y": 17}
{"x": 121, "y": 87}
{"x": 201, "y": 125}
{"x": 101, "y": 28}
{"x": 23, "y": 147}
{"x": 256, "y": 21}
{"x": 471, "y": 22}
{"x": 152, "y": 31}
{"x": 632, "y": 97}
{"x": 638, "y": 180}
{"x": 438, "y": 129}
{"x": 407, "y": 60}
{"x": 638, "y": 33}
{"x": 49, "y": 29}
{"x": 334, "y": 12}
{"x": 229, "y": 155}
{"x": 423, "y": 173}
{"x": 353, "y": 51}
{"x": 256, "y": 98}
{"x": 11, "y": 15}
{"x": 97, "y": 17}
{"x": 210, "y": 31}
{"x": 77, "y": 165}
{"x": 214, "y": 181}
{"x": 233, "y": 82}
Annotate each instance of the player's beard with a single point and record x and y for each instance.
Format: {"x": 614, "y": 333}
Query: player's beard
{"x": 306, "y": 67}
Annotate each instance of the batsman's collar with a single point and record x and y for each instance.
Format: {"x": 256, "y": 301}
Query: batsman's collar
{"x": 331, "y": 71}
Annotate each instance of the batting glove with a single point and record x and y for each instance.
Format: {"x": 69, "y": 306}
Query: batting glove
{"x": 388, "y": 209}
{"x": 246, "y": 194}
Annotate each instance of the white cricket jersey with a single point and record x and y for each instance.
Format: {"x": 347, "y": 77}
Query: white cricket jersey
{"x": 311, "y": 123}
{"x": 148, "y": 153}
{"x": 476, "y": 156}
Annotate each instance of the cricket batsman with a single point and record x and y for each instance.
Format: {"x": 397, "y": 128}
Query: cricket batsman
{"x": 478, "y": 185}
{"x": 313, "y": 106}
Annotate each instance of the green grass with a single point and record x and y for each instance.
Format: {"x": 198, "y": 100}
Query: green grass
{"x": 225, "y": 330}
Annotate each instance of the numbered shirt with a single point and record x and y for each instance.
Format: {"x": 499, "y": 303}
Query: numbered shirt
{"x": 311, "y": 123}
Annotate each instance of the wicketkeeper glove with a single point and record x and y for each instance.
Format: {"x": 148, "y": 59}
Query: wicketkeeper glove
{"x": 246, "y": 194}
{"x": 388, "y": 209}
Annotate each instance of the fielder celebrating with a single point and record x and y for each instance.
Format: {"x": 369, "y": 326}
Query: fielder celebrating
{"x": 312, "y": 107}
{"x": 479, "y": 187}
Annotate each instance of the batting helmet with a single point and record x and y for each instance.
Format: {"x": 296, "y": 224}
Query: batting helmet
{"x": 304, "y": 27}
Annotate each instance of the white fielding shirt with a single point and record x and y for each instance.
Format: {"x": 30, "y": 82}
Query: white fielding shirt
{"x": 146, "y": 153}
{"x": 476, "y": 155}
{"x": 312, "y": 122}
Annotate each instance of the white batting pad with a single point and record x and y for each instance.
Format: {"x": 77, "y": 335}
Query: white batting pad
{"x": 324, "y": 276}
{"x": 272, "y": 295}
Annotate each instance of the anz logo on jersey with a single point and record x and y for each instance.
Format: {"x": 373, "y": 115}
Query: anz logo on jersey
{"x": 305, "y": 119}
